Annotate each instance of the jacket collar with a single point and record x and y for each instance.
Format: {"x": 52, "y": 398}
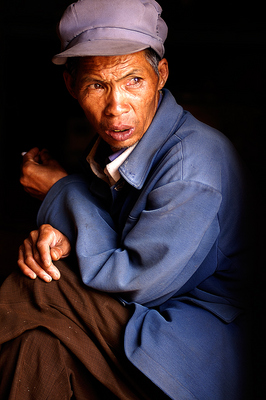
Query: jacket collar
{"x": 137, "y": 166}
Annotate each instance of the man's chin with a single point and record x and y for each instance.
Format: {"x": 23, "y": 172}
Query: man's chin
{"x": 120, "y": 144}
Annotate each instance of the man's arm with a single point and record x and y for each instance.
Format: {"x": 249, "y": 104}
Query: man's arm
{"x": 159, "y": 250}
{"x": 39, "y": 172}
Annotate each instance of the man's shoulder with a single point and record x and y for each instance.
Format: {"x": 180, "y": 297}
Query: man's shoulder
{"x": 193, "y": 130}
{"x": 174, "y": 124}
{"x": 204, "y": 142}
{"x": 205, "y": 154}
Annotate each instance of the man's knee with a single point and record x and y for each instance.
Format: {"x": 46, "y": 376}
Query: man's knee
{"x": 33, "y": 365}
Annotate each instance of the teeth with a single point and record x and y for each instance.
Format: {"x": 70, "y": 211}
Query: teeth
{"x": 115, "y": 130}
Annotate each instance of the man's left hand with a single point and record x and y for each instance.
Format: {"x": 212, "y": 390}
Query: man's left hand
{"x": 40, "y": 249}
{"x": 40, "y": 172}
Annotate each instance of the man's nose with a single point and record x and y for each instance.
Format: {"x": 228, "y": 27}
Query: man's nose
{"x": 116, "y": 103}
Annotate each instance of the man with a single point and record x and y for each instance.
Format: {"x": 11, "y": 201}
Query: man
{"x": 149, "y": 301}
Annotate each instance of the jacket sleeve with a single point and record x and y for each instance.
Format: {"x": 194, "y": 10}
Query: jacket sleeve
{"x": 163, "y": 247}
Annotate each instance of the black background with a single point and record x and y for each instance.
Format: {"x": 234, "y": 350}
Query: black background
{"x": 216, "y": 52}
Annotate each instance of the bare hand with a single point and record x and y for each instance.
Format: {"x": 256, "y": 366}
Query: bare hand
{"x": 39, "y": 250}
{"x": 40, "y": 172}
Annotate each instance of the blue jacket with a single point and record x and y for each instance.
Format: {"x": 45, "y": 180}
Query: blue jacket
{"x": 168, "y": 237}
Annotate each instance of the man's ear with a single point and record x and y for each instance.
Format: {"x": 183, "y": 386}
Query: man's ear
{"x": 163, "y": 72}
{"x": 69, "y": 84}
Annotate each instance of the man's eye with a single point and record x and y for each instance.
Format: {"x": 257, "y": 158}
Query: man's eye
{"x": 134, "y": 81}
{"x": 96, "y": 86}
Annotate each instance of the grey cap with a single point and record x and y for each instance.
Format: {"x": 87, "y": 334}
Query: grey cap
{"x": 110, "y": 28}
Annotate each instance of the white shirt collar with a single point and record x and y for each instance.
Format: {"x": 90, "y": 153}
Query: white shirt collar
{"x": 110, "y": 174}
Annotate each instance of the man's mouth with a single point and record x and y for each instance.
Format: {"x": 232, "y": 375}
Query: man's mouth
{"x": 120, "y": 133}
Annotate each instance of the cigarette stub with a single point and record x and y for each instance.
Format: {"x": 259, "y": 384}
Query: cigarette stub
{"x": 24, "y": 153}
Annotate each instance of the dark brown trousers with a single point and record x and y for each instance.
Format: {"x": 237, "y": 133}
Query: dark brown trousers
{"x": 62, "y": 340}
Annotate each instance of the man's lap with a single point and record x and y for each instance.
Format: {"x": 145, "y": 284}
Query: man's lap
{"x": 68, "y": 308}
{"x": 88, "y": 324}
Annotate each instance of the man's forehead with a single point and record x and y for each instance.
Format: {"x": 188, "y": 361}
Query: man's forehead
{"x": 113, "y": 64}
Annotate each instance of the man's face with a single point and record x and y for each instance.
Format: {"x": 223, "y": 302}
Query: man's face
{"x": 119, "y": 95}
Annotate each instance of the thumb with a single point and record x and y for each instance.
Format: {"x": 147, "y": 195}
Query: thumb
{"x": 56, "y": 254}
{"x": 32, "y": 156}
{"x": 61, "y": 250}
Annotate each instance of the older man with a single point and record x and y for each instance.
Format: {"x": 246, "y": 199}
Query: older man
{"x": 149, "y": 303}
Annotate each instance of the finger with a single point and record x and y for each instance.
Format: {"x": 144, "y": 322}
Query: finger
{"x": 35, "y": 252}
{"x": 30, "y": 267}
{"x": 56, "y": 254}
{"x": 50, "y": 269}
{"x": 42, "y": 248}
{"x": 61, "y": 250}
{"x": 42, "y": 251}
{"x": 32, "y": 156}
{"x": 23, "y": 267}
{"x": 33, "y": 260}
{"x": 31, "y": 159}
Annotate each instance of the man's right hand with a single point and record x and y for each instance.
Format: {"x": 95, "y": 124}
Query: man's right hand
{"x": 40, "y": 172}
{"x": 40, "y": 249}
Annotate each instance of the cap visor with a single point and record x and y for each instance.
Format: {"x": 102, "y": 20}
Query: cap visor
{"x": 99, "y": 48}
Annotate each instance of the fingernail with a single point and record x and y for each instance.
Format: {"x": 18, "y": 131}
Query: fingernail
{"x": 47, "y": 278}
{"x": 55, "y": 274}
{"x": 55, "y": 255}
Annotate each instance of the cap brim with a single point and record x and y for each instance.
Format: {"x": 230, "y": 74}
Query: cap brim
{"x": 99, "y": 48}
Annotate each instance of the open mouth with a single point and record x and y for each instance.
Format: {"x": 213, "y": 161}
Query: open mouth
{"x": 121, "y": 134}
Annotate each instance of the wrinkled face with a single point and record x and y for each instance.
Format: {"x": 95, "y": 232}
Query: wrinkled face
{"x": 119, "y": 95}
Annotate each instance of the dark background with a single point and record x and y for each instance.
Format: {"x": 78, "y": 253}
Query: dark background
{"x": 216, "y": 51}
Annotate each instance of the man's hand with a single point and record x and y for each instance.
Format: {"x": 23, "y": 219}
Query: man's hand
{"x": 40, "y": 172}
{"x": 39, "y": 250}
